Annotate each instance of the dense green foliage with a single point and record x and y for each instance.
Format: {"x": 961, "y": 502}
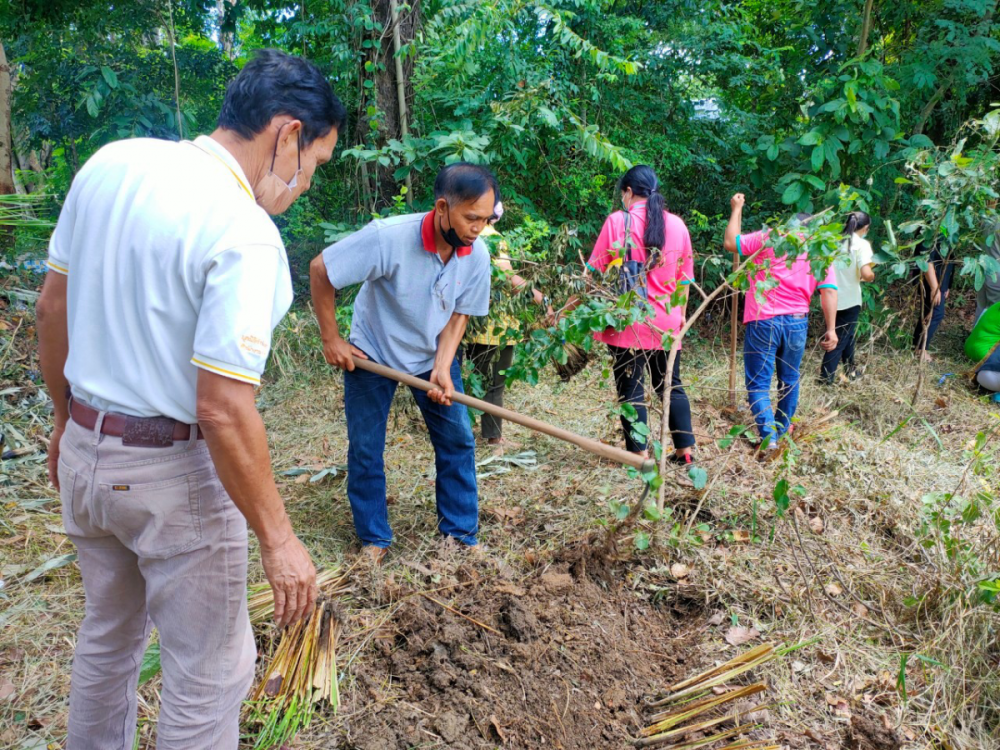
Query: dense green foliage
{"x": 786, "y": 100}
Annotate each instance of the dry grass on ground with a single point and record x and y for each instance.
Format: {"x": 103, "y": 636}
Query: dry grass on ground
{"x": 844, "y": 571}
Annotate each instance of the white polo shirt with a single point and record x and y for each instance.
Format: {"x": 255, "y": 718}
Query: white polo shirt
{"x": 172, "y": 266}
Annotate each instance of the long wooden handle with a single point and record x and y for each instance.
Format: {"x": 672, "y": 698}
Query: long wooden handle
{"x": 588, "y": 444}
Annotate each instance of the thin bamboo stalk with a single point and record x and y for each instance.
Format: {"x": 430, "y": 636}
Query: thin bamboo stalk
{"x": 709, "y": 723}
{"x": 660, "y": 739}
{"x": 751, "y": 655}
{"x": 674, "y": 718}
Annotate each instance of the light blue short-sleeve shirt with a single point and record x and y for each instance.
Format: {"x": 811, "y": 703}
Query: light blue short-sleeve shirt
{"x": 407, "y": 295}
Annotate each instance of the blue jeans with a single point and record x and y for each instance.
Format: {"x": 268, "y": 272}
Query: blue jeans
{"x": 774, "y": 346}
{"x": 367, "y": 398}
{"x": 992, "y": 363}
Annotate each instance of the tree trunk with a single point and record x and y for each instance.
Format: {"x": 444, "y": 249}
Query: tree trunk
{"x": 866, "y": 27}
{"x": 225, "y": 37}
{"x": 401, "y": 79}
{"x": 928, "y": 109}
{"x": 379, "y": 67}
{"x": 6, "y": 151}
{"x": 177, "y": 75}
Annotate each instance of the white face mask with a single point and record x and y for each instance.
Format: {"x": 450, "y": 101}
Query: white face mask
{"x": 273, "y": 194}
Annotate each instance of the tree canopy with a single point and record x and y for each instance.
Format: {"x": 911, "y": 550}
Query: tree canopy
{"x": 786, "y": 100}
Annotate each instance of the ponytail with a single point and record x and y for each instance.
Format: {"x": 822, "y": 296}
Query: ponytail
{"x": 856, "y": 220}
{"x": 656, "y": 229}
{"x": 643, "y": 183}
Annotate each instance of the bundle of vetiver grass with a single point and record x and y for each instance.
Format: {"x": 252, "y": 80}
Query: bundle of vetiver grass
{"x": 303, "y": 670}
{"x": 302, "y": 673}
{"x": 691, "y": 706}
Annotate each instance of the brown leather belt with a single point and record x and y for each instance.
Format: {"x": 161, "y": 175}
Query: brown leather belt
{"x": 153, "y": 432}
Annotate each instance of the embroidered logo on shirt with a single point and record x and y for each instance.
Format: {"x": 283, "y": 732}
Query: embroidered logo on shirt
{"x": 120, "y": 487}
{"x": 252, "y": 344}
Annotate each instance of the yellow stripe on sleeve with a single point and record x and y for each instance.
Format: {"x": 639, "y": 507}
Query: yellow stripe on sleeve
{"x": 56, "y": 267}
{"x": 230, "y": 373}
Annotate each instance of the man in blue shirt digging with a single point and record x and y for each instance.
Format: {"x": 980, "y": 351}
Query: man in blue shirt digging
{"x": 422, "y": 276}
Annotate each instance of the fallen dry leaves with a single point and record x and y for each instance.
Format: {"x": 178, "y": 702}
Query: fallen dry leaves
{"x": 838, "y": 705}
{"x": 738, "y": 635}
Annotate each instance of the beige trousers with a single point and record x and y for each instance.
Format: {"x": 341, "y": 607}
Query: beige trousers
{"x": 159, "y": 543}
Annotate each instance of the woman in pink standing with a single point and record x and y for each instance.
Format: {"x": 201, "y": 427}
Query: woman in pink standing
{"x": 659, "y": 245}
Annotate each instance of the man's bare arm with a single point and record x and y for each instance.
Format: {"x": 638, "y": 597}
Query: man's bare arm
{"x": 53, "y": 349}
{"x": 448, "y": 343}
{"x": 336, "y": 350}
{"x": 234, "y": 431}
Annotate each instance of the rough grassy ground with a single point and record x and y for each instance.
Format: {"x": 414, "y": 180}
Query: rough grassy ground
{"x": 579, "y": 641}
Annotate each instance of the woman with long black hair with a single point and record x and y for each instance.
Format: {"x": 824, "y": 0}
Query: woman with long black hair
{"x": 849, "y": 279}
{"x": 651, "y": 248}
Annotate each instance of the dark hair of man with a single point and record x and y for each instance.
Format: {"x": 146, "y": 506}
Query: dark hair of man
{"x": 276, "y": 83}
{"x": 856, "y": 220}
{"x": 461, "y": 182}
{"x": 642, "y": 180}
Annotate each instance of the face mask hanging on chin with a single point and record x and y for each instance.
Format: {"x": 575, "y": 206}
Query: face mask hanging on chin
{"x": 450, "y": 235}
{"x": 273, "y": 194}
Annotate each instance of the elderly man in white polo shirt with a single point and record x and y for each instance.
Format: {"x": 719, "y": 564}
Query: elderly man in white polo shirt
{"x": 422, "y": 276}
{"x": 167, "y": 279}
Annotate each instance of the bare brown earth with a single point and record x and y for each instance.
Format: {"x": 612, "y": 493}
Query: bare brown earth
{"x": 569, "y": 668}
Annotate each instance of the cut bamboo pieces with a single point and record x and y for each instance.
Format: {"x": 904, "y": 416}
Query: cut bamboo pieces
{"x": 688, "y": 711}
{"x": 700, "y": 742}
{"x": 691, "y": 708}
{"x": 717, "y": 675}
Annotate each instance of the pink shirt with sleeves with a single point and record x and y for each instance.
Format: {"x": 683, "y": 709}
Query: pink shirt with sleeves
{"x": 795, "y": 284}
{"x": 676, "y": 268}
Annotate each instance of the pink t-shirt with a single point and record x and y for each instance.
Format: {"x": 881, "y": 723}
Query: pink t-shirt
{"x": 795, "y": 285}
{"x": 676, "y": 267}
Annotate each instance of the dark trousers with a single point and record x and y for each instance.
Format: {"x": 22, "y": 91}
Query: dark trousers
{"x": 367, "y": 398}
{"x": 490, "y": 362}
{"x": 629, "y": 369}
{"x": 847, "y": 324}
{"x": 937, "y": 315}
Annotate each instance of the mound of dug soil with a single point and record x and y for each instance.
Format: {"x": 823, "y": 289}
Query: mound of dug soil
{"x": 570, "y": 670}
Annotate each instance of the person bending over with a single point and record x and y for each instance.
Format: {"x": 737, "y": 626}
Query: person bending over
{"x": 422, "y": 277}
{"x": 981, "y": 347}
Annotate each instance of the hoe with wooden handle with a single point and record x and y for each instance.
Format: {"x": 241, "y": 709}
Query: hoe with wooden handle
{"x": 644, "y": 465}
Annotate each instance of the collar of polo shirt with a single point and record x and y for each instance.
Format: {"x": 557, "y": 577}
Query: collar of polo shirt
{"x": 427, "y": 233}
